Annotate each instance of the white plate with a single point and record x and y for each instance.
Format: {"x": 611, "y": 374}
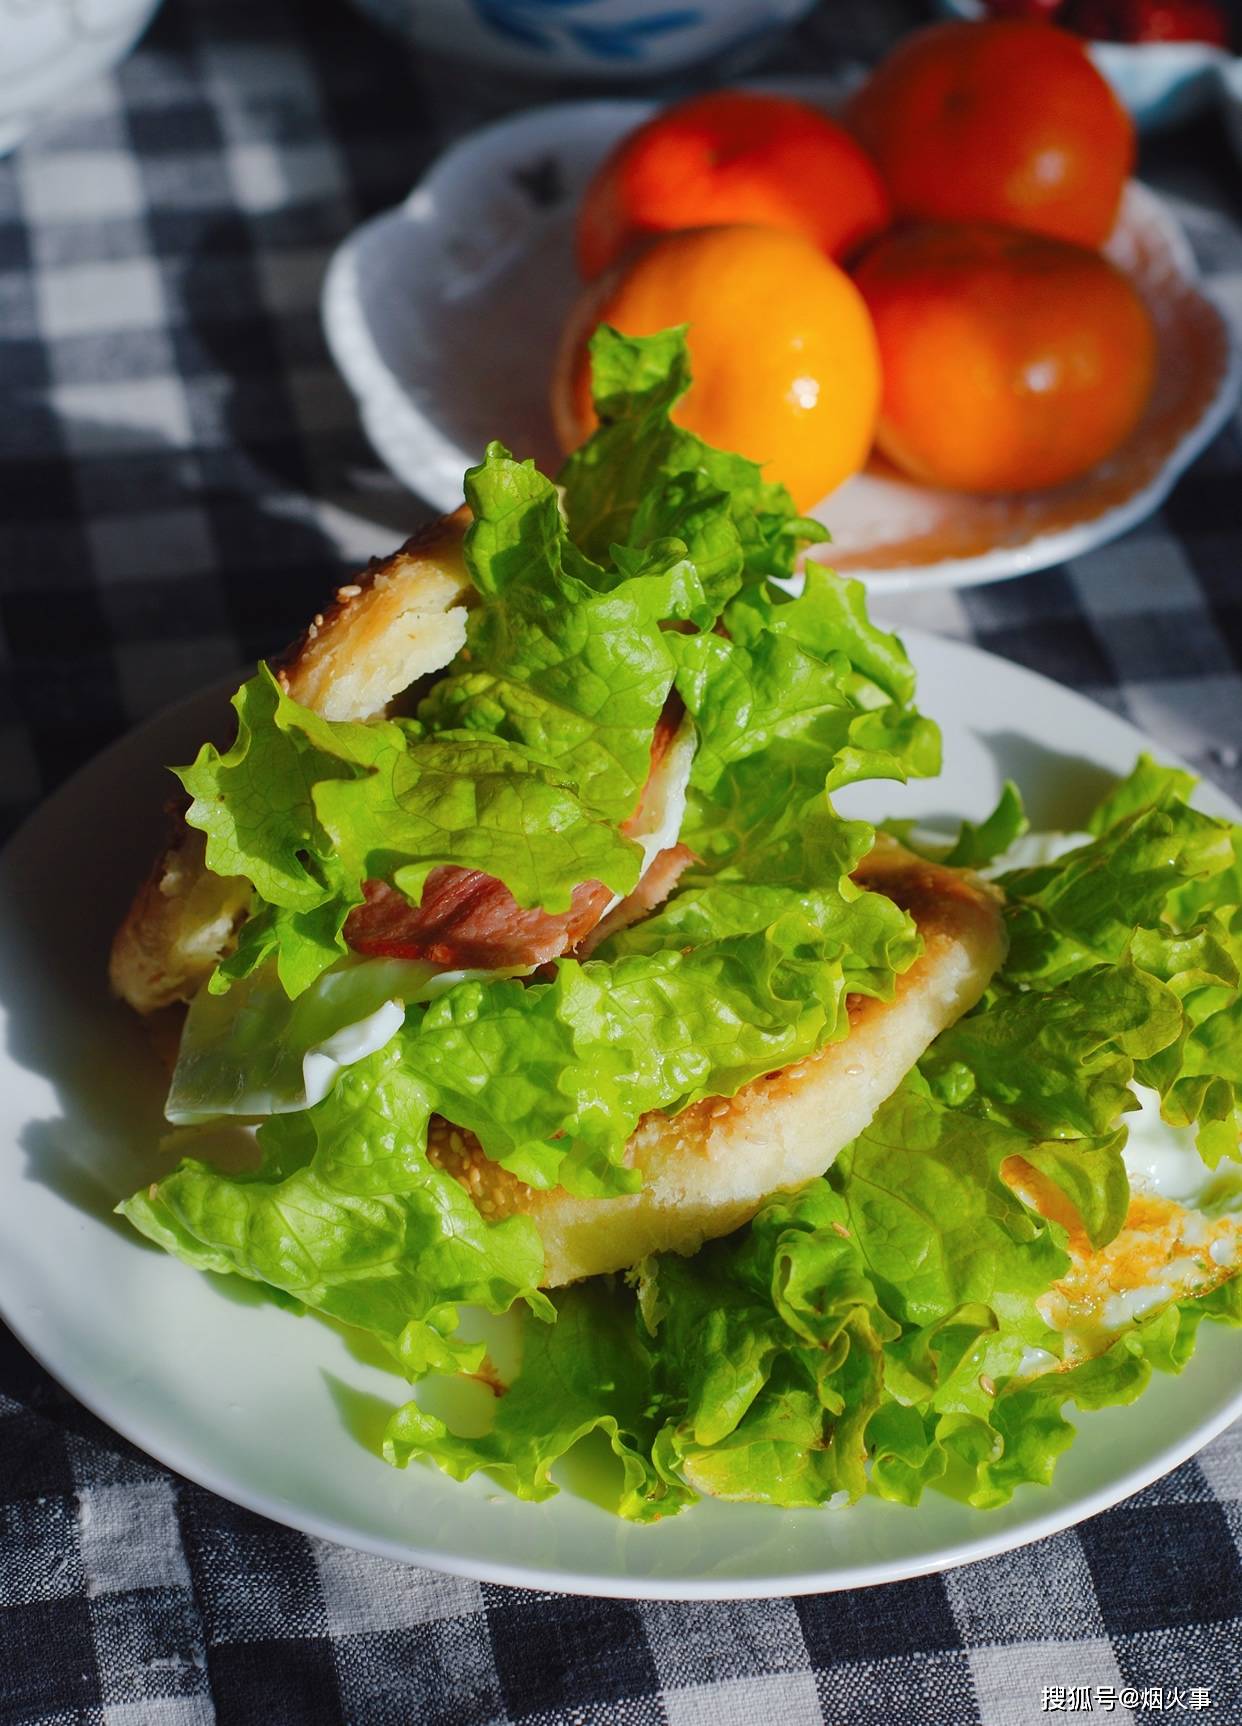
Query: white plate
{"x": 272, "y": 1410}
{"x": 444, "y": 314}
{"x": 49, "y": 49}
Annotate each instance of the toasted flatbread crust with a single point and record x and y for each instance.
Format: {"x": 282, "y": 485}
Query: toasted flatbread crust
{"x": 403, "y": 617}
{"x": 181, "y": 922}
{"x": 707, "y": 1170}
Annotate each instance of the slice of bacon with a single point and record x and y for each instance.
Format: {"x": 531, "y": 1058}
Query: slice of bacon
{"x": 467, "y": 920}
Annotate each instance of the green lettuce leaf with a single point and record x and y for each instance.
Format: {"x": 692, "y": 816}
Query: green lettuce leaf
{"x": 862, "y": 933}
{"x": 588, "y": 1372}
{"x": 1199, "y": 1076}
{"x": 264, "y": 1049}
{"x": 1081, "y": 1031}
{"x": 977, "y": 846}
{"x": 477, "y": 802}
{"x": 1148, "y": 784}
{"x": 307, "y": 809}
{"x": 1161, "y": 882}
{"x": 767, "y": 1354}
{"x": 936, "y": 1225}
{"x": 812, "y": 675}
{"x": 751, "y": 1374}
{"x": 1083, "y": 909}
{"x": 300, "y": 945}
{"x": 802, "y": 697}
{"x": 1201, "y": 1081}
{"x": 558, "y": 659}
{"x": 766, "y": 1351}
{"x": 1027, "y": 1431}
{"x": 346, "y": 1215}
{"x": 255, "y": 802}
{"x": 641, "y": 478}
{"x": 855, "y": 1337}
{"x": 691, "y": 510}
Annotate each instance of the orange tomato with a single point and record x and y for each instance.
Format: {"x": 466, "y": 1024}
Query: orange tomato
{"x": 728, "y": 158}
{"x": 782, "y": 351}
{"x": 1001, "y": 122}
{"x": 1010, "y": 361}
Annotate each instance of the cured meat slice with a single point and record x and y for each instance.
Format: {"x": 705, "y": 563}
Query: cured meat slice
{"x": 468, "y": 920}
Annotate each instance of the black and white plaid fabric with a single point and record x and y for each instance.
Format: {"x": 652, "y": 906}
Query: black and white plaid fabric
{"x": 181, "y": 479}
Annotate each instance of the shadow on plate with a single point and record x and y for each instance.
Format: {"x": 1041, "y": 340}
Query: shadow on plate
{"x": 365, "y": 1417}
{"x": 1059, "y": 791}
{"x": 62, "y": 1027}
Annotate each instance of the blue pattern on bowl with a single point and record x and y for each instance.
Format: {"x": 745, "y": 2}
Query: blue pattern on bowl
{"x": 528, "y": 22}
{"x": 620, "y": 40}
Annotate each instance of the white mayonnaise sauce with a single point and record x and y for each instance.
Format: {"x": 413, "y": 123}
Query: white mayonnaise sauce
{"x": 252, "y": 1051}
{"x": 351, "y": 1043}
{"x": 665, "y": 809}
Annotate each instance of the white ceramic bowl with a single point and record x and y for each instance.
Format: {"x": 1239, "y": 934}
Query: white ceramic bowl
{"x": 612, "y": 39}
{"x": 1161, "y": 83}
{"x": 49, "y": 48}
{"x": 1230, "y": 78}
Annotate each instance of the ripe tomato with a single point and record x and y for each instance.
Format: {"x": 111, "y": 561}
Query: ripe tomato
{"x": 997, "y": 122}
{"x": 732, "y": 158}
{"x": 1010, "y": 361}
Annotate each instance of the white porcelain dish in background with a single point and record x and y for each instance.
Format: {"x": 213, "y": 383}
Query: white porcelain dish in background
{"x": 1161, "y": 83}
{"x": 1230, "y": 79}
{"x": 444, "y": 316}
{"x": 51, "y": 47}
{"x": 272, "y": 1410}
{"x": 614, "y": 39}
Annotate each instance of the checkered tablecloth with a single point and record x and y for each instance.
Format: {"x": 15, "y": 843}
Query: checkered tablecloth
{"x": 181, "y": 479}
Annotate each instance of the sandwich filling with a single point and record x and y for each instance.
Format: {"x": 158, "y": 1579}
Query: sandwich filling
{"x": 256, "y": 1051}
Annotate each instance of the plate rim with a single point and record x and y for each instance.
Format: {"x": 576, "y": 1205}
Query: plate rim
{"x": 389, "y": 412}
{"x": 109, "y": 1404}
